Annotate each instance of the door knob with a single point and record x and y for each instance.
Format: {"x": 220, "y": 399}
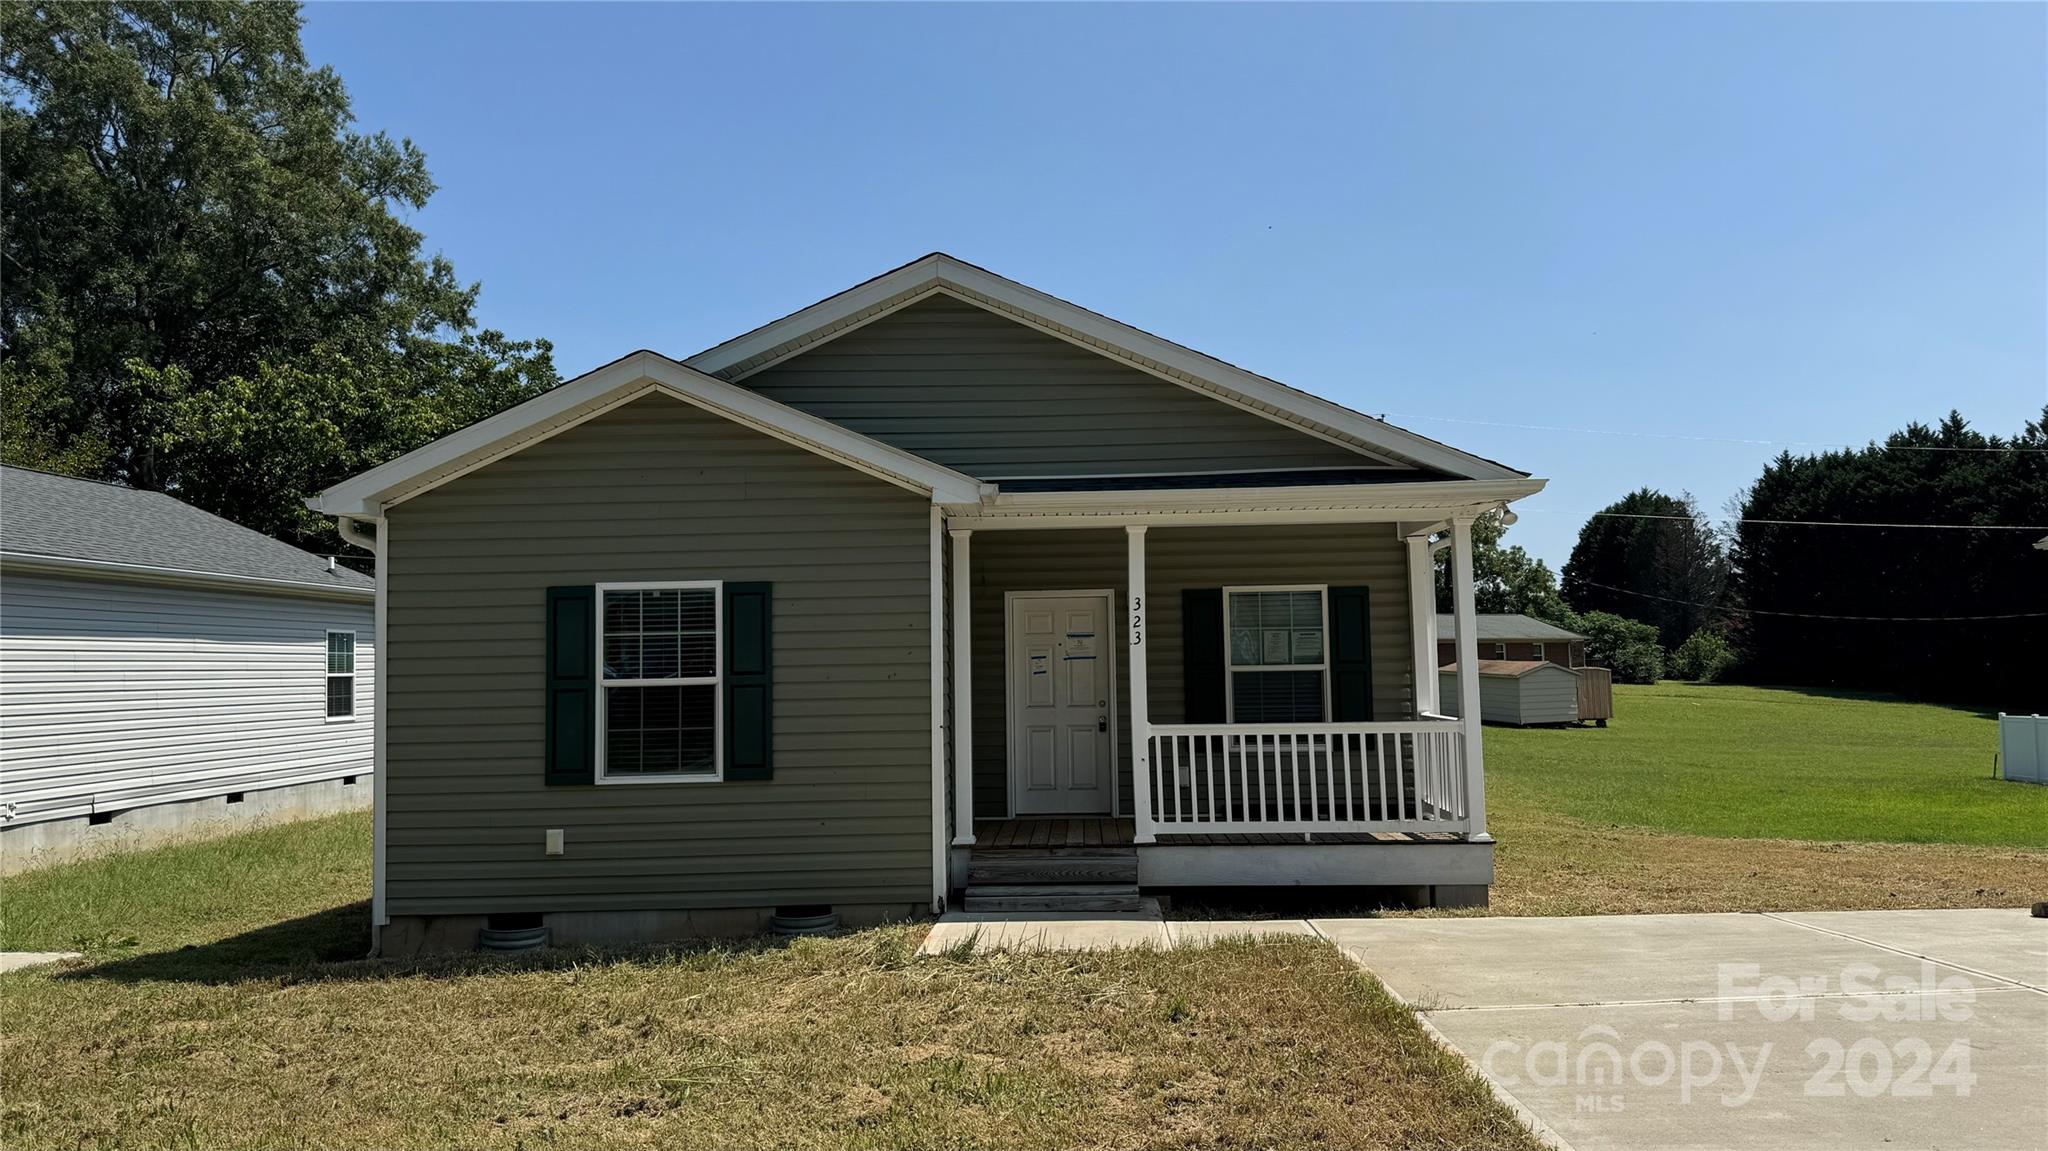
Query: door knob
{"x": 1102, "y": 723}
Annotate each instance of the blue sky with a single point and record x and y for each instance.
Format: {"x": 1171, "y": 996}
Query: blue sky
{"x": 1804, "y": 223}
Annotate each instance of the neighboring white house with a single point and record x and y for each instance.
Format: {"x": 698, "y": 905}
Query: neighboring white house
{"x": 162, "y": 667}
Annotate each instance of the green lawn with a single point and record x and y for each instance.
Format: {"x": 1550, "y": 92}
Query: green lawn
{"x": 1748, "y": 762}
{"x": 242, "y": 1015}
{"x": 193, "y": 893}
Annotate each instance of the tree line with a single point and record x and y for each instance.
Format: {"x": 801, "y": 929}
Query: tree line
{"x": 209, "y": 286}
{"x": 1795, "y": 590}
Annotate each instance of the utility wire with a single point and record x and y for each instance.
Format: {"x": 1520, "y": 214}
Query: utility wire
{"x": 1819, "y": 615}
{"x": 1700, "y": 439}
{"x": 1813, "y": 523}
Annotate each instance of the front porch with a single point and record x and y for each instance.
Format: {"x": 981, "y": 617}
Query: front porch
{"x": 1176, "y": 725}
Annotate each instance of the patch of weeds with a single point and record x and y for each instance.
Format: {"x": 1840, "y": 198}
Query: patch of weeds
{"x": 1178, "y": 1009}
{"x": 963, "y": 951}
{"x": 953, "y": 1075}
{"x": 103, "y": 942}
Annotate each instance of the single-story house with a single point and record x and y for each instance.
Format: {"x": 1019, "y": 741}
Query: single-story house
{"x": 1508, "y": 636}
{"x": 939, "y": 590}
{"x": 161, "y": 667}
{"x": 1523, "y": 692}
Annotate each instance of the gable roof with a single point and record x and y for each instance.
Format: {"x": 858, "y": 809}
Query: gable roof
{"x": 938, "y": 272}
{"x": 1504, "y": 627}
{"x": 1508, "y": 668}
{"x": 52, "y": 521}
{"x": 621, "y": 381}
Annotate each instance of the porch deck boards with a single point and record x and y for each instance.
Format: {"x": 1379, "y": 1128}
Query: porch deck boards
{"x": 1094, "y": 831}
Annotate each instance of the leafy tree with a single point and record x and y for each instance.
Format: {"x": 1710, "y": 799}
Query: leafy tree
{"x": 1653, "y": 557}
{"x": 209, "y": 289}
{"x": 1624, "y": 646}
{"x": 1703, "y": 657}
{"x": 1504, "y": 579}
{"x": 1878, "y": 608}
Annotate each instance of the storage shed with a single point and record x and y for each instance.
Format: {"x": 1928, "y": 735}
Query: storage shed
{"x": 1522, "y": 692}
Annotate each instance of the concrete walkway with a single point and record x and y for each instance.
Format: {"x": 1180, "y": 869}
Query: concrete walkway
{"x": 16, "y": 960}
{"x": 1847, "y": 1029}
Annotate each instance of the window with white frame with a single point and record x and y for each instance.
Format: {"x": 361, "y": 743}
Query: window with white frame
{"x": 1536, "y": 651}
{"x": 660, "y": 663}
{"x": 1279, "y": 659}
{"x": 341, "y": 675}
{"x": 1500, "y": 651}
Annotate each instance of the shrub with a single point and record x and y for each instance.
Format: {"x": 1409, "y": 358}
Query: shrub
{"x": 1625, "y": 647}
{"x": 1702, "y": 657}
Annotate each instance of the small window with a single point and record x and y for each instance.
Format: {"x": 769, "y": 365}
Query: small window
{"x": 1536, "y": 651}
{"x": 341, "y": 675}
{"x": 1278, "y": 657}
{"x": 660, "y": 666}
{"x": 1500, "y": 651}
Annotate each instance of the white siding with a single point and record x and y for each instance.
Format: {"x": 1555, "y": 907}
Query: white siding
{"x": 119, "y": 694}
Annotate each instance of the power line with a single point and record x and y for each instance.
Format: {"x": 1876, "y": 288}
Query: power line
{"x": 1813, "y": 523}
{"x": 1699, "y": 439}
{"x": 1819, "y": 615}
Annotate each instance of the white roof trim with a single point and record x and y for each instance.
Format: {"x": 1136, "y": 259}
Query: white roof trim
{"x": 1427, "y": 495}
{"x": 14, "y": 561}
{"x": 621, "y": 381}
{"x": 1182, "y": 365}
{"x": 1394, "y": 503}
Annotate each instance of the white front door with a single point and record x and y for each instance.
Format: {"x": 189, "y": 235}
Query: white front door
{"x": 1060, "y": 682}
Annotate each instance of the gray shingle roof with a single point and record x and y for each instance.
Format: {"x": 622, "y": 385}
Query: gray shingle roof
{"x": 1502, "y": 628}
{"x": 65, "y": 518}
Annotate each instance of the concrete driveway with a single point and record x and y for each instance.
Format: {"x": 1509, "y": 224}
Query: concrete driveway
{"x": 1863, "y": 1029}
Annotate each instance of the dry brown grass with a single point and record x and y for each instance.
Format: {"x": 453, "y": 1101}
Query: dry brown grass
{"x": 1549, "y": 864}
{"x": 826, "y": 1043}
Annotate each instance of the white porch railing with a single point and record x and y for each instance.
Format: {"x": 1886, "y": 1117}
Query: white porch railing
{"x": 1307, "y": 778}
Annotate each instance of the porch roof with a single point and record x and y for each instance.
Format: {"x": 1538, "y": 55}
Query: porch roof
{"x": 1418, "y": 506}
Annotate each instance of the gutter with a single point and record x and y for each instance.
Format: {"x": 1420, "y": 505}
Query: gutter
{"x": 185, "y": 576}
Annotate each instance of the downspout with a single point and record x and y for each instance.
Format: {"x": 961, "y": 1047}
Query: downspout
{"x": 347, "y": 526}
{"x": 350, "y": 529}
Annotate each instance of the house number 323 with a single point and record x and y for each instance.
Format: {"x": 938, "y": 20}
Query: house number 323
{"x": 1137, "y": 620}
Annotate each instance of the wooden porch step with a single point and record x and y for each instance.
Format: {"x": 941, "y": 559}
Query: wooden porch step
{"x": 1069, "y": 868}
{"x": 1046, "y": 897}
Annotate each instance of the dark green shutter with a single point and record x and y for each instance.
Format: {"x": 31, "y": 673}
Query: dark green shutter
{"x": 1351, "y": 654}
{"x": 749, "y": 675}
{"x": 1201, "y": 653}
{"x": 572, "y": 685}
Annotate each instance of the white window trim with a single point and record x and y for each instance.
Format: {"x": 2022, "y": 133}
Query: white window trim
{"x": 1500, "y": 651}
{"x": 328, "y": 677}
{"x": 716, "y": 680}
{"x": 1230, "y": 669}
{"x": 1536, "y": 651}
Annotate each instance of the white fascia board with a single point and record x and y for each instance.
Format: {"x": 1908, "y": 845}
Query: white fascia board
{"x": 1424, "y": 496}
{"x": 940, "y": 270}
{"x": 13, "y": 561}
{"x": 621, "y": 381}
{"x": 1396, "y": 504}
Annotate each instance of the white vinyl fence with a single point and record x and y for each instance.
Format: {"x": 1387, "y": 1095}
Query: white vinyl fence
{"x": 2023, "y": 747}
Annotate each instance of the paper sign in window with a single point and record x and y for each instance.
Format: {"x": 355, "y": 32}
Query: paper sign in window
{"x": 1308, "y": 647}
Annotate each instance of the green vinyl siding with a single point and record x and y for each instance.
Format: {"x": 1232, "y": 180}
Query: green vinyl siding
{"x": 994, "y": 398}
{"x": 658, "y": 490}
{"x": 1367, "y": 555}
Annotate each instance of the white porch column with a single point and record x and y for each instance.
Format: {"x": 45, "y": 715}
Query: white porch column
{"x": 1422, "y": 622}
{"x": 1468, "y": 676}
{"x": 1141, "y": 712}
{"x": 963, "y": 694}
